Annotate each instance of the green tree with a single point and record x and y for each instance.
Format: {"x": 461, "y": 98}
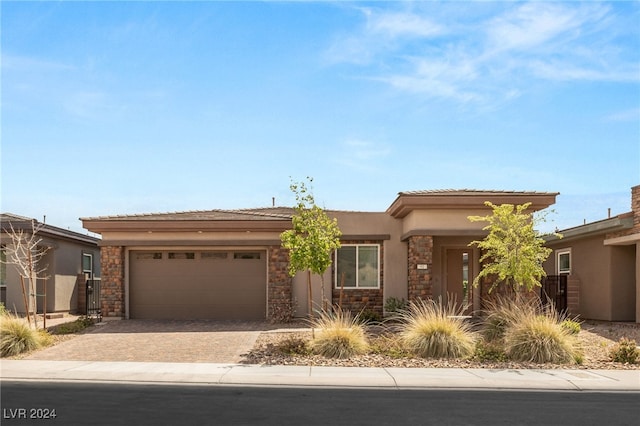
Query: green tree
{"x": 312, "y": 239}
{"x": 513, "y": 250}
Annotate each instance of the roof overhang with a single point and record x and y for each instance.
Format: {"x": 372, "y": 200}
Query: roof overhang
{"x": 406, "y": 202}
{"x": 100, "y": 226}
{"x": 607, "y": 226}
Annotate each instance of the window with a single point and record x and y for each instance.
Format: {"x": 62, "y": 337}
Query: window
{"x": 87, "y": 265}
{"x": 148, "y": 255}
{"x": 246, "y": 255}
{"x": 564, "y": 262}
{"x": 358, "y": 266}
{"x": 214, "y": 255}
{"x": 182, "y": 255}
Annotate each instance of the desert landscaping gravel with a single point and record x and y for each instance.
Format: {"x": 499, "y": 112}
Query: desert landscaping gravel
{"x": 596, "y": 338}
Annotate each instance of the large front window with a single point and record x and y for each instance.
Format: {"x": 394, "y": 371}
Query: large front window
{"x": 358, "y": 266}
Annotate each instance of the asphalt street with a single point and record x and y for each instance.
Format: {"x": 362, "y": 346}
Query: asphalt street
{"x": 94, "y": 403}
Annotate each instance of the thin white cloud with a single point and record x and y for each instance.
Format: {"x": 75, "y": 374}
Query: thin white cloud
{"x": 32, "y": 64}
{"x": 626, "y": 115}
{"x": 362, "y": 154}
{"x": 535, "y": 24}
{"x": 398, "y": 24}
{"x": 493, "y": 59}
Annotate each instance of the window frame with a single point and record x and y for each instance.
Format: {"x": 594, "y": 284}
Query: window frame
{"x": 357, "y": 275}
{"x": 89, "y": 273}
{"x": 559, "y": 253}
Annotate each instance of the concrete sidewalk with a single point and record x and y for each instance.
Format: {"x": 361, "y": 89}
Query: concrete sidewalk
{"x": 256, "y": 375}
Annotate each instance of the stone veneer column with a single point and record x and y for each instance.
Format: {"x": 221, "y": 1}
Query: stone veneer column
{"x": 279, "y": 285}
{"x": 420, "y": 280}
{"x": 112, "y": 291}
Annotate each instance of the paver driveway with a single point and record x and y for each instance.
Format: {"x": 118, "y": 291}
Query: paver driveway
{"x": 159, "y": 341}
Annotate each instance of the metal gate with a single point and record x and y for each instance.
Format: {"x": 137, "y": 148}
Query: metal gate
{"x": 554, "y": 290}
{"x": 93, "y": 299}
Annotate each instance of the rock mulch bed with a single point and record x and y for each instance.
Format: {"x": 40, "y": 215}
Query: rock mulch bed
{"x": 596, "y": 339}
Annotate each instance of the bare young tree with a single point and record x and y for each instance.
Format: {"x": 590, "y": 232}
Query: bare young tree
{"x": 24, "y": 251}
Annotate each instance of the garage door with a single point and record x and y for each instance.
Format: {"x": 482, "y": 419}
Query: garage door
{"x": 197, "y": 284}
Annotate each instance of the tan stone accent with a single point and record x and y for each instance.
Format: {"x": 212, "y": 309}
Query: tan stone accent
{"x": 279, "y": 286}
{"x": 112, "y": 291}
{"x": 420, "y": 281}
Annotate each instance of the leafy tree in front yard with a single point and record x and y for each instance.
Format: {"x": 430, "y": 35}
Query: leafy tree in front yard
{"x": 313, "y": 237}
{"x": 513, "y": 251}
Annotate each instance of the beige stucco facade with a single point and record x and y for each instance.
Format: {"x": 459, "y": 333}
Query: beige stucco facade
{"x": 415, "y": 237}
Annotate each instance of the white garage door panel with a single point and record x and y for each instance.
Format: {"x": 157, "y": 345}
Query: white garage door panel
{"x": 198, "y": 288}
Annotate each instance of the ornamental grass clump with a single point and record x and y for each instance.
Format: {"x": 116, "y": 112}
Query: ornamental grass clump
{"x": 433, "y": 330}
{"x": 16, "y": 336}
{"x": 540, "y": 337}
{"x": 502, "y": 312}
{"x": 340, "y": 335}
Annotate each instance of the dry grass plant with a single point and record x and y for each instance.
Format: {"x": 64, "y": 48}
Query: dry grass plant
{"x": 16, "y": 336}
{"x": 430, "y": 329}
{"x": 532, "y": 332}
{"x": 340, "y": 335}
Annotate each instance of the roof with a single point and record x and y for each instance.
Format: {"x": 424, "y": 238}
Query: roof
{"x": 8, "y": 220}
{"x": 617, "y": 223}
{"x": 471, "y": 192}
{"x": 272, "y": 213}
{"x": 466, "y": 199}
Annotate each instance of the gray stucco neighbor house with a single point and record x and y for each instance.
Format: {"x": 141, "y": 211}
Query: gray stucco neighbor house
{"x": 69, "y": 257}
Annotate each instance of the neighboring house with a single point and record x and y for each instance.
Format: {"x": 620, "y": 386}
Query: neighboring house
{"x": 69, "y": 255}
{"x": 602, "y": 264}
{"x": 229, "y": 264}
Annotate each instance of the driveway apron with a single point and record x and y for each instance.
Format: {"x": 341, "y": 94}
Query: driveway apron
{"x": 159, "y": 341}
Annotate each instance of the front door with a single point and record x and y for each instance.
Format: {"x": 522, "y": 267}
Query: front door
{"x": 459, "y": 286}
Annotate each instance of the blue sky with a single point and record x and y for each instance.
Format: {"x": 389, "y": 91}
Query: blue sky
{"x": 133, "y": 107}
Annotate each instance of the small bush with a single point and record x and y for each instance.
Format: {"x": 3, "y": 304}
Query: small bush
{"x": 3, "y": 309}
{"x": 489, "y": 352}
{"x": 340, "y": 335}
{"x": 625, "y": 351}
{"x": 388, "y": 345}
{"x": 393, "y": 305}
{"x": 74, "y": 326}
{"x": 16, "y": 336}
{"x": 293, "y": 345}
{"x": 369, "y": 316}
{"x": 540, "y": 339}
{"x": 431, "y": 330}
{"x": 572, "y": 326}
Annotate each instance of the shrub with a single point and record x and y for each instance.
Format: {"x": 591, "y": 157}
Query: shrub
{"x": 540, "y": 339}
{"x": 340, "y": 335}
{"x": 3, "y": 309}
{"x": 369, "y": 316}
{"x": 293, "y": 345}
{"x": 487, "y": 351}
{"x": 432, "y": 330}
{"x": 571, "y": 325}
{"x": 389, "y": 345}
{"x": 393, "y": 305}
{"x": 74, "y": 326}
{"x": 625, "y": 351}
{"x": 16, "y": 336}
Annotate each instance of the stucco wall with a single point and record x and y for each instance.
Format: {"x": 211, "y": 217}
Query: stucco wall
{"x": 623, "y": 288}
{"x": 443, "y": 219}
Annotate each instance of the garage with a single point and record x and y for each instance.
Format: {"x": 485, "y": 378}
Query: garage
{"x": 197, "y": 284}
